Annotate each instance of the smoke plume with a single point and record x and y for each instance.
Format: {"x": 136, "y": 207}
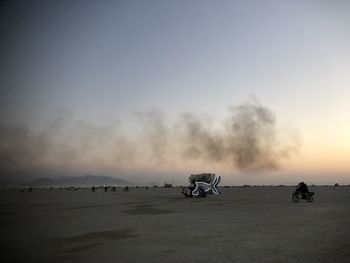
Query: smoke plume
{"x": 247, "y": 140}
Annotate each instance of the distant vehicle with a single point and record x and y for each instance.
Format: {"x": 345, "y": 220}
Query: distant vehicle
{"x": 72, "y": 188}
{"x": 306, "y": 196}
{"x": 167, "y": 185}
{"x": 201, "y": 185}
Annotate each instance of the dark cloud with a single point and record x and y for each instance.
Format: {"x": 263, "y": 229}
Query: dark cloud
{"x": 200, "y": 140}
{"x": 247, "y": 140}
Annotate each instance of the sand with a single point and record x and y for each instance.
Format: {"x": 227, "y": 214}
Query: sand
{"x": 253, "y": 224}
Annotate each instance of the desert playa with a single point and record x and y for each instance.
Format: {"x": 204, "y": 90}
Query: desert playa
{"x": 243, "y": 224}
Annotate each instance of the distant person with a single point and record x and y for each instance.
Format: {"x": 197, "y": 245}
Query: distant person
{"x": 106, "y": 187}
{"x": 302, "y": 188}
{"x": 93, "y": 188}
{"x": 126, "y": 189}
{"x": 114, "y": 187}
{"x": 30, "y": 189}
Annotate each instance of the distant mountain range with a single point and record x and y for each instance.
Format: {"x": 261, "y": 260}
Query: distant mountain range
{"x": 87, "y": 180}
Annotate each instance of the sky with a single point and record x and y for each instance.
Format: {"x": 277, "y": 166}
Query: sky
{"x": 145, "y": 89}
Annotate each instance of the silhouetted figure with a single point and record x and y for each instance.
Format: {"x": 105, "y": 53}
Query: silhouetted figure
{"x": 30, "y": 189}
{"x": 146, "y": 187}
{"x": 126, "y": 189}
{"x": 106, "y": 187}
{"x": 93, "y": 188}
{"x": 302, "y": 188}
{"x": 114, "y": 188}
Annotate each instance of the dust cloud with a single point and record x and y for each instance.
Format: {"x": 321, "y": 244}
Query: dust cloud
{"x": 247, "y": 139}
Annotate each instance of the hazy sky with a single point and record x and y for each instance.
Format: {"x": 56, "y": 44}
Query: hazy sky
{"x": 108, "y": 64}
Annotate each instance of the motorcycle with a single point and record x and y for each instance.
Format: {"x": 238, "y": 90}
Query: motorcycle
{"x": 306, "y": 196}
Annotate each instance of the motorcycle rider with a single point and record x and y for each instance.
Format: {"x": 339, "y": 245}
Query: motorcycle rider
{"x": 302, "y": 188}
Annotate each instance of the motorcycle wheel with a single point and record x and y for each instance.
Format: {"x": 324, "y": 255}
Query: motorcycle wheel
{"x": 310, "y": 199}
{"x": 295, "y": 198}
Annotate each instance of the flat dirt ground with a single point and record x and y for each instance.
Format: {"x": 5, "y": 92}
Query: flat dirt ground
{"x": 252, "y": 224}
